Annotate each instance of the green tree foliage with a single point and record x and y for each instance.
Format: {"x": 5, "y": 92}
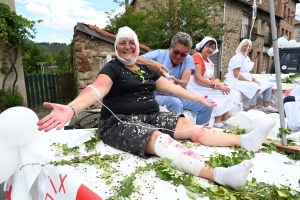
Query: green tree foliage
{"x": 157, "y": 21}
{"x": 62, "y": 61}
{"x": 32, "y": 55}
{"x": 54, "y": 47}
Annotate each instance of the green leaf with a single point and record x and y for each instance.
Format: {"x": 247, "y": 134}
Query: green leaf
{"x": 191, "y": 195}
{"x": 105, "y": 175}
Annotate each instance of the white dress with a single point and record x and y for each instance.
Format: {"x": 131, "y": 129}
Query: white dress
{"x": 224, "y": 102}
{"x": 247, "y": 88}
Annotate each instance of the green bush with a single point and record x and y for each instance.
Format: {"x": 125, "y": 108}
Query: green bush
{"x": 8, "y": 99}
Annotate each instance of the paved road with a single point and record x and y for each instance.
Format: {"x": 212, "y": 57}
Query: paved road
{"x": 2, "y": 194}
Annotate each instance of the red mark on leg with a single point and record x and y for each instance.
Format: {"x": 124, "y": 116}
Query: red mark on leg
{"x": 170, "y": 140}
{"x": 192, "y": 154}
{"x": 197, "y": 136}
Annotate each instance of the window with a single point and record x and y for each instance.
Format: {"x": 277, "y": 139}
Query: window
{"x": 290, "y": 60}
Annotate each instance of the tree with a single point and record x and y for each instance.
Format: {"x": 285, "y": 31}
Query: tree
{"x": 32, "y": 55}
{"x": 62, "y": 61}
{"x": 157, "y": 21}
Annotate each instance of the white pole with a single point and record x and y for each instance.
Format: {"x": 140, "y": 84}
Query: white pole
{"x": 277, "y": 70}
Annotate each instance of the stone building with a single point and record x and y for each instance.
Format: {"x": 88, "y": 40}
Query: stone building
{"x": 237, "y": 15}
{"x": 93, "y": 48}
{"x": 21, "y": 79}
{"x": 297, "y": 30}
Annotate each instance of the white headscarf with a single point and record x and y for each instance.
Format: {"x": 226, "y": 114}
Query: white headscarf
{"x": 204, "y": 41}
{"x": 126, "y": 32}
{"x": 238, "y": 49}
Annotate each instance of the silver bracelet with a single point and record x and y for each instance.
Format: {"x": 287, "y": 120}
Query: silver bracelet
{"x": 74, "y": 110}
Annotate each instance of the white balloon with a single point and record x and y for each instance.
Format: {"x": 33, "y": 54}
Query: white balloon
{"x": 282, "y": 42}
{"x": 9, "y": 159}
{"x": 291, "y": 43}
{"x": 18, "y": 125}
{"x": 297, "y": 44}
{"x": 271, "y": 52}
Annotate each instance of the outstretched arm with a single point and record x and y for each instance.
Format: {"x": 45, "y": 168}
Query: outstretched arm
{"x": 61, "y": 114}
{"x": 165, "y": 86}
{"x": 159, "y": 68}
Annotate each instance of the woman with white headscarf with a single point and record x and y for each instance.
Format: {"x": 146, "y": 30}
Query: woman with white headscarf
{"x": 204, "y": 82}
{"x": 239, "y": 78}
{"x": 134, "y": 123}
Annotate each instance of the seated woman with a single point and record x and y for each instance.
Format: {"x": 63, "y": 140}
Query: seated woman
{"x": 134, "y": 123}
{"x": 240, "y": 78}
{"x": 292, "y": 109}
{"x": 204, "y": 82}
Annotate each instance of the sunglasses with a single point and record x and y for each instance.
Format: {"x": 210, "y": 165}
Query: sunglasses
{"x": 176, "y": 53}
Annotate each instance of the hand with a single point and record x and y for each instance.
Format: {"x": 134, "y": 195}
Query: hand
{"x": 159, "y": 68}
{"x": 255, "y": 81}
{"x": 59, "y": 116}
{"x": 224, "y": 89}
{"x": 202, "y": 99}
{"x": 216, "y": 84}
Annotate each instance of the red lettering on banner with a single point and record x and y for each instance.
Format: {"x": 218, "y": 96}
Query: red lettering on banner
{"x": 84, "y": 193}
{"x": 48, "y": 195}
{"x": 62, "y": 183}
{"x": 52, "y": 185}
{"x": 8, "y": 193}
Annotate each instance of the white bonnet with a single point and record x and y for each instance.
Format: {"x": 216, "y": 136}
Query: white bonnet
{"x": 238, "y": 49}
{"x": 204, "y": 41}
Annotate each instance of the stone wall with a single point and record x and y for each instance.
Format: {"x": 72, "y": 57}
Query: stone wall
{"x": 19, "y": 67}
{"x": 297, "y": 32}
{"x": 90, "y": 54}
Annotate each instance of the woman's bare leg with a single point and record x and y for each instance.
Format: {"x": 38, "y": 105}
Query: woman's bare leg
{"x": 225, "y": 116}
{"x": 184, "y": 158}
{"x": 186, "y": 129}
{"x": 218, "y": 119}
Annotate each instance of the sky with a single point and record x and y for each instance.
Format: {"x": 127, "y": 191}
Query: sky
{"x": 60, "y": 16}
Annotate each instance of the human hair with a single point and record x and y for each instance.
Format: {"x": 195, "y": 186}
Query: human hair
{"x": 182, "y": 38}
{"x": 209, "y": 42}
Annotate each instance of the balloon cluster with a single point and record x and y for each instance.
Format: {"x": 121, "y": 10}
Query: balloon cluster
{"x": 284, "y": 43}
{"x": 17, "y": 127}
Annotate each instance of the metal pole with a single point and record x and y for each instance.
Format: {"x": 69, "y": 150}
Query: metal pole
{"x": 277, "y": 70}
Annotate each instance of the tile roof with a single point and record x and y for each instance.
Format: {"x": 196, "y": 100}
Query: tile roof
{"x": 110, "y": 35}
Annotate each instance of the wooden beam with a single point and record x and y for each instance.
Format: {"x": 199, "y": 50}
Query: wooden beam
{"x": 288, "y": 149}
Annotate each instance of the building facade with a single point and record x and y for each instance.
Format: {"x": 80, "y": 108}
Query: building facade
{"x": 11, "y": 77}
{"x": 237, "y": 14}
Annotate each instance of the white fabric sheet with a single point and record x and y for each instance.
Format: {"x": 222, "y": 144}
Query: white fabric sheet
{"x": 270, "y": 168}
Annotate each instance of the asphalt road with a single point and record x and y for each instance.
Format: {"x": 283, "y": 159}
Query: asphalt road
{"x": 2, "y": 194}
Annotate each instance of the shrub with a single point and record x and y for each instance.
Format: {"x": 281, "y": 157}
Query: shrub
{"x": 8, "y": 99}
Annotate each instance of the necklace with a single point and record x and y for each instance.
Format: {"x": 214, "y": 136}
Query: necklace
{"x": 140, "y": 73}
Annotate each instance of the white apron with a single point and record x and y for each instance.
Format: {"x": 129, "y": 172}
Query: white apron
{"x": 247, "y": 88}
{"x": 292, "y": 112}
{"x": 224, "y": 102}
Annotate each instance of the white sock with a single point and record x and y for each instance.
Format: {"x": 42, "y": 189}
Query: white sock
{"x": 252, "y": 141}
{"x": 218, "y": 124}
{"x": 235, "y": 176}
{"x": 181, "y": 156}
{"x": 225, "y": 122}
